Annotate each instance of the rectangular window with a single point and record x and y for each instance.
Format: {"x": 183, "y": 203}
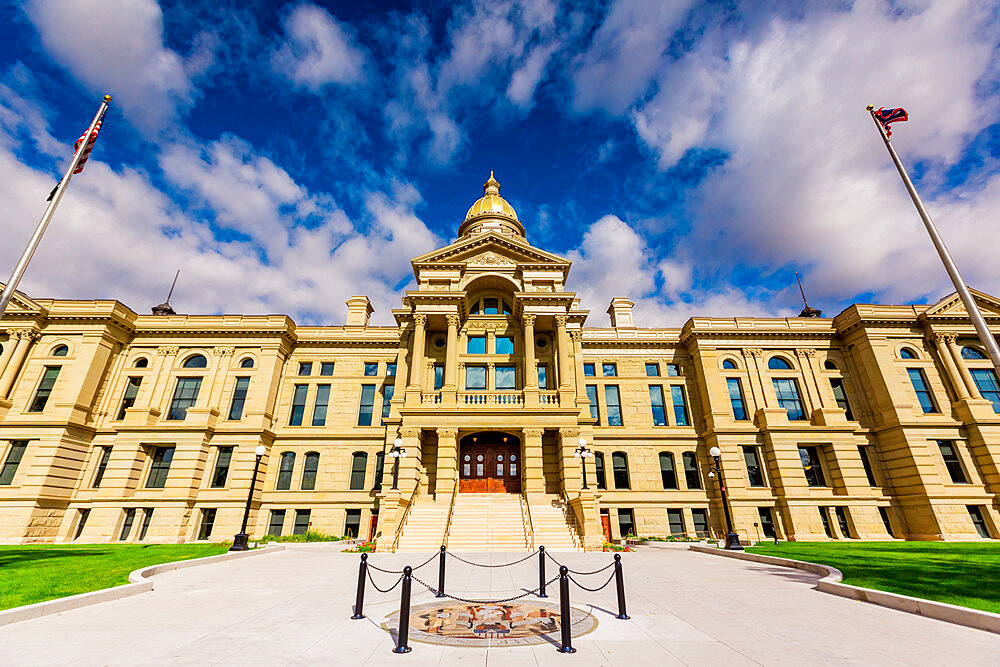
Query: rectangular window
{"x": 824, "y": 517}
{"x": 976, "y": 514}
{"x": 44, "y": 389}
{"x": 699, "y": 518}
{"x": 840, "y": 394}
{"x": 305, "y": 368}
{"x": 14, "y": 457}
{"x": 147, "y": 517}
{"x": 504, "y": 345}
{"x": 222, "y": 467}
{"x": 867, "y": 464}
{"x": 787, "y": 391}
{"x": 277, "y": 523}
{"x": 986, "y": 382}
{"x": 609, "y": 370}
{"x": 506, "y": 377}
{"x": 668, "y": 475}
{"x": 84, "y": 515}
{"x": 595, "y": 409}
{"x": 326, "y": 368}
{"x": 656, "y": 403}
{"x": 766, "y": 522}
{"x": 359, "y": 466}
{"x": 301, "y": 522}
{"x": 543, "y": 381}
{"x": 614, "y": 405}
{"x": 675, "y": 519}
{"x": 845, "y": 526}
{"x": 951, "y": 461}
{"x": 626, "y": 523}
{"x": 299, "y": 396}
{"x": 367, "y": 405}
{"x": 239, "y": 398}
{"x": 691, "y": 475}
{"x": 321, "y": 404}
{"x": 588, "y": 370}
{"x": 102, "y": 466}
{"x": 387, "y": 393}
{"x": 128, "y": 400}
{"x": 652, "y": 370}
{"x": 371, "y": 368}
{"x": 884, "y": 513}
{"x": 680, "y": 405}
{"x": 309, "y": 470}
{"x": 160, "y": 467}
{"x": 619, "y": 468}
{"x": 602, "y": 482}
{"x": 476, "y": 345}
{"x": 127, "y": 525}
{"x": 207, "y": 523}
{"x": 811, "y": 466}
{"x": 754, "y": 473}
{"x": 673, "y": 370}
{"x": 390, "y": 369}
{"x": 185, "y": 396}
{"x": 352, "y": 523}
{"x": 736, "y": 398}
{"x": 379, "y": 470}
{"x": 491, "y": 306}
{"x": 475, "y": 378}
{"x": 285, "y": 469}
{"x": 919, "y": 382}
{"x": 438, "y": 376}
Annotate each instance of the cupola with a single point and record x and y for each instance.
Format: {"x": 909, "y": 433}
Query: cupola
{"x": 491, "y": 212}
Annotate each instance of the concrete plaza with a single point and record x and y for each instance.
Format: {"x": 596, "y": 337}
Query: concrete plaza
{"x": 293, "y": 607}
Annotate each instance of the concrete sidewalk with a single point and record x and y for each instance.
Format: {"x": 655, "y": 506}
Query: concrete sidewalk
{"x": 293, "y": 607}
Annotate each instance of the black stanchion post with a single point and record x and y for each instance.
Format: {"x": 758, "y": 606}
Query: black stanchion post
{"x": 565, "y": 620}
{"x": 620, "y": 582}
{"x": 440, "y": 593}
{"x": 404, "y": 612}
{"x": 541, "y": 572}
{"x": 360, "y": 600}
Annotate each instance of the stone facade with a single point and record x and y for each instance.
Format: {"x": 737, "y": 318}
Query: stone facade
{"x": 79, "y": 464}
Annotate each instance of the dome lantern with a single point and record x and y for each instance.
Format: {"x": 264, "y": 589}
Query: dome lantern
{"x": 491, "y": 212}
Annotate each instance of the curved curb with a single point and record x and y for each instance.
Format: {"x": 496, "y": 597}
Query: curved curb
{"x": 829, "y": 582}
{"x": 139, "y": 583}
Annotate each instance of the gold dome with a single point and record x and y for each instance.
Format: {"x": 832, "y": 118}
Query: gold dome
{"x": 491, "y": 203}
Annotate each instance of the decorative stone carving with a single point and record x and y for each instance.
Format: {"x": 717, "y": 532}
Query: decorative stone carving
{"x": 806, "y": 352}
{"x": 946, "y": 338}
{"x": 410, "y": 433}
{"x": 528, "y": 319}
{"x": 569, "y": 433}
{"x": 753, "y": 352}
{"x": 453, "y": 320}
{"x": 576, "y": 335}
{"x": 561, "y": 320}
{"x": 532, "y": 432}
{"x": 490, "y": 258}
{"x": 225, "y": 351}
{"x": 447, "y": 433}
{"x": 420, "y": 319}
{"x": 167, "y": 350}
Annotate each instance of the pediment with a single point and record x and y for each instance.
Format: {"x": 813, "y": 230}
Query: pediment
{"x": 21, "y": 302}
{"x": 952, "y": 306}
{"x": 490, "y": 250}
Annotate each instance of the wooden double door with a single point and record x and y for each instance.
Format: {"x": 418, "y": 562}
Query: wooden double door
{"x": 490, "y": 467}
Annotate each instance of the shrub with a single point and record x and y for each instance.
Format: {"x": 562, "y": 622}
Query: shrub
{"x": 608, "y": 546}
{"x": 310, "y": 536}
{"x": 364, "y": 547}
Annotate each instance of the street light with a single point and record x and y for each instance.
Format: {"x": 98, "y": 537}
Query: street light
{"x": 732, "y": 539}
{"x": 241, "y": 539}
{"x": 397, "y": 452}
{"x": 583, "y": 453}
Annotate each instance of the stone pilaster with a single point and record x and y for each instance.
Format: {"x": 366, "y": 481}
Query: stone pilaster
{"x": 447, "y": 461}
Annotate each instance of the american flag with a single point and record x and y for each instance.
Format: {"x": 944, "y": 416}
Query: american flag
{"x": 886, "y": 116}
{"x": 89, "y": 147}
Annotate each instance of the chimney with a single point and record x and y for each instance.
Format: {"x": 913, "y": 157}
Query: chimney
{"x": 359, "y": 309}
{"x": 620, "y": 311}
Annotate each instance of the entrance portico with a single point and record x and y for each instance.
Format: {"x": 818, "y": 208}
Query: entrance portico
{"x": 490, "y": 462}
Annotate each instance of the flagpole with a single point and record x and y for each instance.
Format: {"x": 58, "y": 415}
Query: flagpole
{"x": 22, "y": 263}
{"x": 987, "y": 339}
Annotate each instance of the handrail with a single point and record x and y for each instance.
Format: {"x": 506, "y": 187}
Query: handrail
{"x": 451, "y": 513}
{"x": 531, "y": 525}
{"x": 406, "y": 513}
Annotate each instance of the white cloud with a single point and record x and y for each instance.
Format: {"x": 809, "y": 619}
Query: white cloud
{"x": 318, "y": 50}
{"x": 116, "y": 46}
{"x": 526, "y": 78}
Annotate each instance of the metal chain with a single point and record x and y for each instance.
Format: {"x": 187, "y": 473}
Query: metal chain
{"x": 593, "y": 590}
{"x": 611, "y": 564}
{"x": 400, "y": 571}
{"x": 469, "y": 562}
{"x": 387, "y": 590}
{"x": 510, "y": 599}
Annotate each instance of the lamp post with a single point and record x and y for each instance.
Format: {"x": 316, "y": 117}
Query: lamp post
{"x": 241, "y": 539}
{"x": 397, "y": 452}
{"x": 732, "y": 539}
{"x": 583, "y": 453}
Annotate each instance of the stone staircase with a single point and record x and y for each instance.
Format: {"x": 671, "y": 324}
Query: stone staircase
{"x": 554, "y": 523}
{"x": 489, "y": 522}
{"x": 425, "y": 524}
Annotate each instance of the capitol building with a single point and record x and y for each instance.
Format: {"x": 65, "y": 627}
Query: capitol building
{"x": 464, "y": 423}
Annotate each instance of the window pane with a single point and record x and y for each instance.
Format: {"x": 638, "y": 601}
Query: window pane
{"x": 766, "y": 522}
{"x": 653, "y": 370}
{"x": 222, "y": 467}
{"x": 972, "y": 353}
{"x": 543, "y": 382}
{"x": 986, "y": 382}
{"x": 609, "y": 370}
{"x": 976, "y": 514}
{"x": 505, "y": 377}
{"x": 626, "y": 523}
{"x": 951, "y": 462}
{"x": 656, "y": 402}
{"x": 869, "y": 473}
{"x": 286, "y": 466}
{"x": 675, "y": 519}
{"x": 102, "y": 466}
{"x": 185, "y": 396}
{"x": 239, "y": 398}
{"x": 305, "y": 368}
{"x": 352, "y": 523}
{"x": 387, "y": 393}
{"x": 778, "y": 364}
{"x": 10, "y": 464}
{"x": 379, "y": 468}
{"x": 667, "y": 473}
{"x": 160, "y": 467}
{"x": 475, "y": 377}
{"x": 207, "y": 523}
{"x": 754, "y": 473}
{"x": 614, "y": 405}
{"x": 691, "y": 475}
{"x": 127, "y": 525}
{"x": 588, "y": 370}
{"x": 673, "y": 370}
{"x": 787, "y": 391}
{"x": 491, "y": 306}
{"x": 359, "y": 462}
{"x": 841, "y": 396}
{"x": 504, "y": 345}
{"x": 44, "y": 388}
{"x": 131, "y": 392}
{"x": 390, "y": 369}
{"x": 367, "y": 404}
{"x": 476, "y": 345}
{"x": 811, "y": 466}
{"x": 700, "y": 519}
{"x": 845, "y": 526}
{"x": 309, "y": 471}
{"x": 277, "y": 523}
{"x": 680, "y": 405}
{"x": 619, "y": 465}
{"x": 736, "y": 398}
{"x": 599, "y": 470}
{"x": 371, "y": 369}
{"x": 147, "y": 517}
{"x": 438, "y": 376}
{"x": 301, "y": 522}
{"x": 197, "y": 361}
{"x": 595, "y": 409}
{"x": 326, "y": 368}
{"x": 919, "y": 383}
{"x": 320, "y": 407}
{"x": 299, "y": 396}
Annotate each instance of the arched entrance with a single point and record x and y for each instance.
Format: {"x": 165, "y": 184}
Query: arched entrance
{"x": 489, "y": 462}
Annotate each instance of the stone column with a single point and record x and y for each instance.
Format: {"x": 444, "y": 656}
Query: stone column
{"x": 491, "y": 383}
{"x": 419, "y": 344}
{"x": 451, "y": 354}
{"x": 963, "y": 370}
{"x": 570, "y": 473}
{"x": 532, "y": 464}
{"x": 530, "y": 369}
{"x": 161, "y": 377}
{"x": 447, "y": 461}
{"x": 24, "y": 338}
{"x": 752, "y": 357}
{"x": 223, "y": 360}
{"x": 562, "y": 340}
{"x": 943, "y": 342}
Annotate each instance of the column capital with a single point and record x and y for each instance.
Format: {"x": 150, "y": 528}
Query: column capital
{"x": 569, "y": 433}
{"x": 528, "y": 319}
{"x": 420, "y": 319}
{"x": 946, "y": 338}
{"x": 447, "y": 433}
{"x": 753, "y": 352}
{"x": 25, "y": 334}
{"x": 576, "y": 335}
{"x": 806, "y": 352}
{"x": 409, "y": 433}
{"x": 225, "y": 350}
{"x": 532, "y": 432}
{"x": 561, "y": 320}
{"x": 491, "y": 365}
{"x": 167, "y": 350}
{"x": 453, "y": 319}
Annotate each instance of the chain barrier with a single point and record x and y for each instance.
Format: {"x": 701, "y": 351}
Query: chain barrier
{"x": 469, "y": 562}
{"x": 606, "y": 567}
{"x": 594, "y": 590}
{"x": 385, "y": 590}
{"x": 400, "y": 571}
{"x": 468, "y": 601}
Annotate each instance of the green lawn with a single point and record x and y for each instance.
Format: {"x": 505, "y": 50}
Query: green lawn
{"x": 961, "y": 573}
{"x": 35, "y": 573}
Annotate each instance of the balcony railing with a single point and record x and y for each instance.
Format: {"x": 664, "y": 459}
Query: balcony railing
{"x": 502, "y": 399}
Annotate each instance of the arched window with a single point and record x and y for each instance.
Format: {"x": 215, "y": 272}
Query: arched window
{"x": 309, "y": 471}
{"x": 778, "y": 364}
{"x": 196, "y": 361}
{"x": 141, "y": 362}
{"x": 907, "y": 353}
{"x": 619, "y": 465}
{"x": 691, "y": 475}
{"x": 829, "y": 365}
{"x": 359, "y": 463}
{"x": 972, "y": 353}
{"x": 729, "y": 365}
{"x": 667, "y": 472}
{"x": 247, "y": 363}
{"x": 63, "y": 350}
{"x": 602, "y": 482}
{"x": 285, "y": 469}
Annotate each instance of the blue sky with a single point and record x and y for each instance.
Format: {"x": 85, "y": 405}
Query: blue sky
{"x": 690, "y": 156}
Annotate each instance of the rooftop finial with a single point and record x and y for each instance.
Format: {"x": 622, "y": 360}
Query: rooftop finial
{"x": 491, "y": 187}
{"x": 164, "y": 308}
{"x": 807, "y": 311}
